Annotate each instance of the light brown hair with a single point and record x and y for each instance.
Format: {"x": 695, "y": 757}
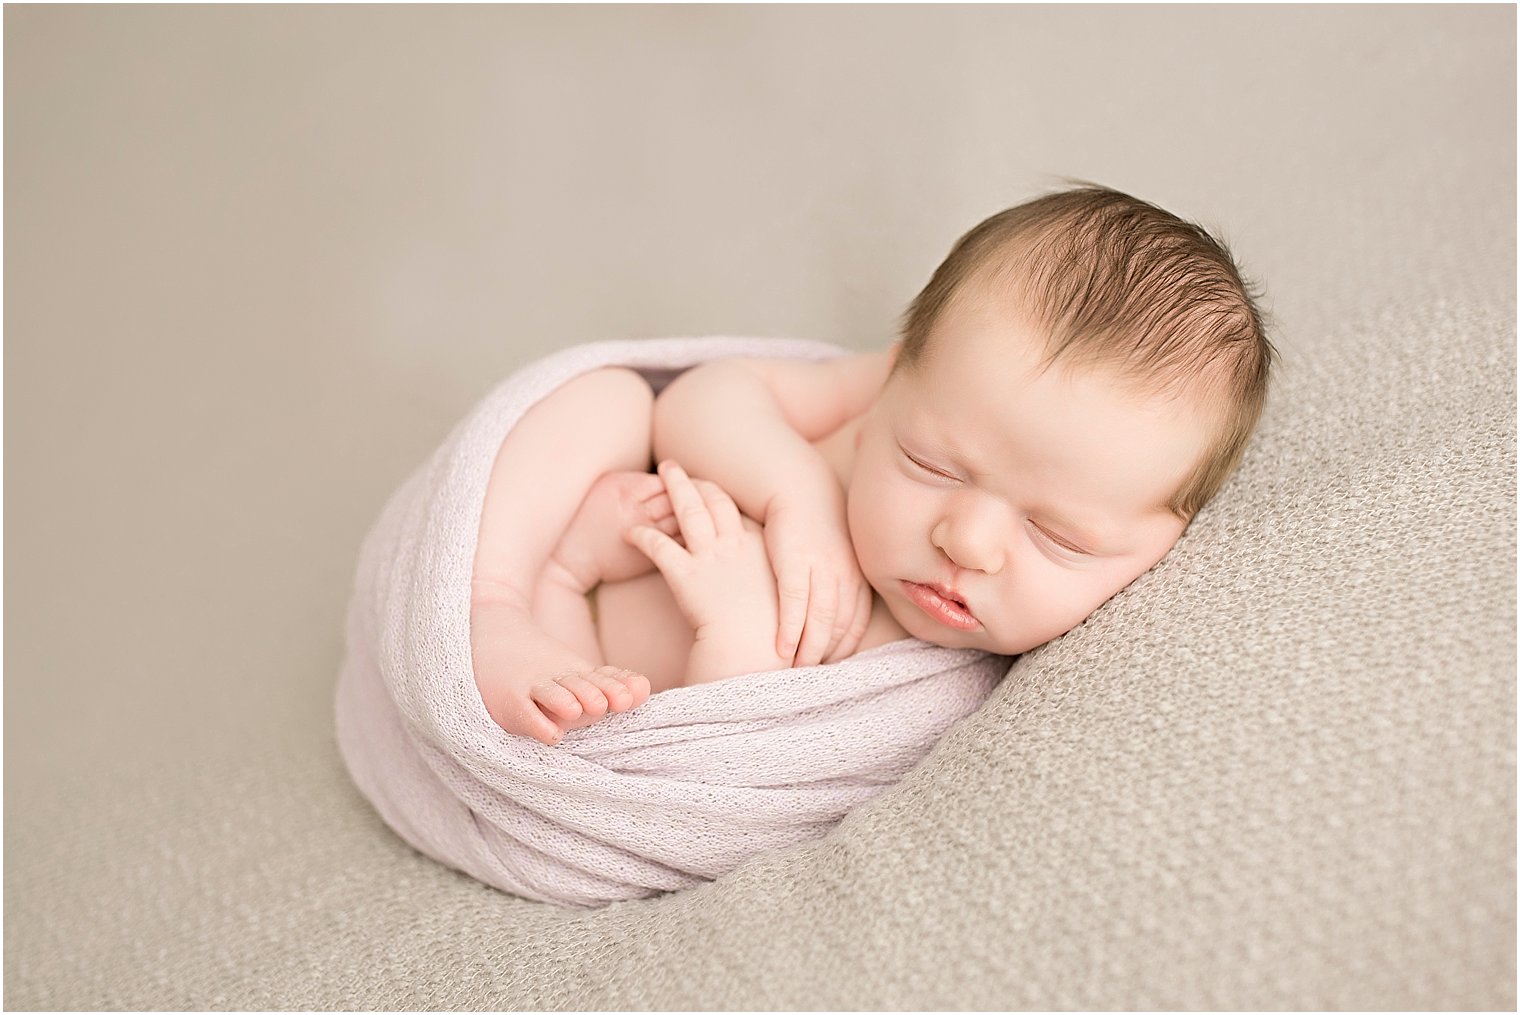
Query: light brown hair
{"x": 1117, "y": 283}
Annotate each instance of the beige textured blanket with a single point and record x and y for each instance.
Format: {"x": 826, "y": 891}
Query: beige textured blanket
{"x": 261, "y": 257}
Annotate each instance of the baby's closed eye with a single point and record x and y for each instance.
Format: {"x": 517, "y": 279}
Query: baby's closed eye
{"x": 924, "y": 466}
{"x": 1061, "y": 543}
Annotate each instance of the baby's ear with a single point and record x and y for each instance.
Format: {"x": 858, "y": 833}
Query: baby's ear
{"x": 892, "y": 351}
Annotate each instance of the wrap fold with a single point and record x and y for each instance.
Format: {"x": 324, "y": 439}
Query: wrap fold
{"x": 684, "y": 788}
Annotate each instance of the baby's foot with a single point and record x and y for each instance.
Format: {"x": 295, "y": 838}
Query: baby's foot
{"x": 593, "y": 696}
{"x": 592, "y": 549}
{"x": 534, "y": 686}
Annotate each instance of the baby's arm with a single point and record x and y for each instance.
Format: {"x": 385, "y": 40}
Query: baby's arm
{"x": 748, "y": 425}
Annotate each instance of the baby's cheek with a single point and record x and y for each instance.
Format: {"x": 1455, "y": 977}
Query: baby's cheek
{"x": 869, "y": 525}
{"x": 1051, "y": 616}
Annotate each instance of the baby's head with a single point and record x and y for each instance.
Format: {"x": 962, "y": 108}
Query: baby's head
{"x": 1077, "y": 379}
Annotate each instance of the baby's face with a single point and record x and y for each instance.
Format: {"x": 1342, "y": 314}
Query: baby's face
{"x": 1031, "y": 497}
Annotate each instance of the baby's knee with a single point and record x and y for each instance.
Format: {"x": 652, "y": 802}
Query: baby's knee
{"x": 617, "y": 390}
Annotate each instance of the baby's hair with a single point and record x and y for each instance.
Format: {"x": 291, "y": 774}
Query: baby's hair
{"x": 1120, "y": 284}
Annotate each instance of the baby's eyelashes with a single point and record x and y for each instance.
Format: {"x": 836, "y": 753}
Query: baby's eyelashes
{"x": 923, "y": 465}
{"x": 1064, "y": 545}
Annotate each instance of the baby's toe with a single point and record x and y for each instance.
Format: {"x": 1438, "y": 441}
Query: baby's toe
{"x": 642, "y": 500}
{"x": 637, "y": 685}
{"x": 592, "y": 700}
{"x": 557, "y": 700}
{"x": 641, "y": 487}
{"x": 620, "y": 697}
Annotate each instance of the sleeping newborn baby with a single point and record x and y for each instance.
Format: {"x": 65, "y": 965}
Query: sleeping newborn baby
{"x": 1077, "y": 379}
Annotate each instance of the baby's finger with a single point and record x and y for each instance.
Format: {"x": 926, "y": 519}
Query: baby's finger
{"x": 725, "y": 513}
{"x": 844, "y": 618}
{"x": 663, "y": 551}
{"x": 691, "y": 509}
{"x": 850, "y": 642}
{"x": 819, "y": 629}
{"x": 792, "y": 604}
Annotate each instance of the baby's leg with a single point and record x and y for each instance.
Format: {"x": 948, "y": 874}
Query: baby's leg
{"x": 593, "y": 551}
{"x": 533, "y": 684}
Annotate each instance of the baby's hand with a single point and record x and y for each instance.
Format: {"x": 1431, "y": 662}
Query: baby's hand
{"x": 721, "y": 578}
{"x": 825, "y": 600}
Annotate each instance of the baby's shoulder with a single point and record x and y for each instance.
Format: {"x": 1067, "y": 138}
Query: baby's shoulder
{"x": 860, "y": 377}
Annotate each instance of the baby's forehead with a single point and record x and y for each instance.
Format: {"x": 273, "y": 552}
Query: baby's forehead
{"x": 1001, "y": 394}
{"x": 958, "y": 367}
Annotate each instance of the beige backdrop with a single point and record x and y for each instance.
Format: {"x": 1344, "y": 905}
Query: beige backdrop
{"x": 259, "y": 260}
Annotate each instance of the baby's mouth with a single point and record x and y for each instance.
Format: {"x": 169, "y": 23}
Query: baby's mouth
{"x": 950, "y": 595}
{"x": 942, "y": 604}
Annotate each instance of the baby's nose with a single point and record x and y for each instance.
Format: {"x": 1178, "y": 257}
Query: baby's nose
{"x": 973, "y": 547}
